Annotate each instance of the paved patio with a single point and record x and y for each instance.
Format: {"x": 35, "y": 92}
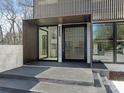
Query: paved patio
{"x": 34, "y": 79}
{"x": 96, "y": 65}
{"x": 49, "y": 77}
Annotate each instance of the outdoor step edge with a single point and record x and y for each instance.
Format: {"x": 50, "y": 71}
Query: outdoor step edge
{"x": 101, "y": 82}
{"x": 59, "y": 81}
{"x": 15, "y": 90}
{"x": 111, "y": 85}
{"x": 102, "y": 72}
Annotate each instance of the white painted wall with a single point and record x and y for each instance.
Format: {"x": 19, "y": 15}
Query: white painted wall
{"x": 89, "y": 43}
{"x": 60, "y": 43}
{"x": 11, "y": 56}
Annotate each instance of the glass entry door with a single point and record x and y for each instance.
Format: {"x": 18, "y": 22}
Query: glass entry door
{"x": 48, "y": 43}
{"x": 74, "y": 43}
{"x": 43, "y": 43}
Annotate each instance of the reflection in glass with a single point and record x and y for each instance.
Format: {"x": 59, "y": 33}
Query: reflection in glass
{"x": 48, "y": 43}
{"x": 74, "y": 43}
{"x": 102, "y": 42}
{"x": 120, "y": 42}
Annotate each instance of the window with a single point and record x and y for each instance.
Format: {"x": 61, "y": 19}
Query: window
{"x": 48, "y": 43}
{"x": 103, "y": 42}
{"x": 120, "y": 42}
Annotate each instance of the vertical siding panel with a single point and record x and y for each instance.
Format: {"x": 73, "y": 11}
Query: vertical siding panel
{"x": 120, "y": 9}
{"x": 123, "y": 8}
{"x": 109, "y": 9}
{"x": 100, "y": 9}
{"x": 79, "y": 7}
{"x": 89, "y": 7}
{"x": 84, "y": 6}
{"x": 95, "y": 11}
{"x": 112, "y": 9}
{"x": 105, "y": 10}
{"x": 116, "y": 9}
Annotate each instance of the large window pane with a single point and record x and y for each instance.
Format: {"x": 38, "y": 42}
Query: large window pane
{"x": 103, "y": 42}
{"x": 120, "y": 42}
{"x": 74, "y": 43}
{"x": 48, "y": 43}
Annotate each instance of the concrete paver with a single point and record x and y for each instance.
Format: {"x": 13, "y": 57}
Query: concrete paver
{"x": 60, "y": 88}
{"x": 58, "y": 74}
{"x": 119, "y": 85}
{"x": 71, "y": 74}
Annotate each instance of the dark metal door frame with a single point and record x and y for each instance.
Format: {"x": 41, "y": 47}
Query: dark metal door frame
{"x": 85, "y": 42}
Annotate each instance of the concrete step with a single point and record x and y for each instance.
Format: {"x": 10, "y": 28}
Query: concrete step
{"x": 102, "y": 72}
{"x": 44, "y": 87}
{"x": 52, "y": 74}
{"x": 51, "y": 80}
{"x": 11, "y": 90}
{"x": 110, "y": 87}
{"x": 98, "y": 83}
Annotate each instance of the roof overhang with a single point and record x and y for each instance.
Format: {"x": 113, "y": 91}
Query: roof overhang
{"x": 61, "y": 20}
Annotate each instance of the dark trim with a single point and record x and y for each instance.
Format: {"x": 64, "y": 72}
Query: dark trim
{"x": 47, "y": 25}
{"x": 114, "y": 43}
{"x": 85, "y": 42}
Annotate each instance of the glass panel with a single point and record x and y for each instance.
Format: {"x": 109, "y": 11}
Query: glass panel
{"x": 120, "y": 42}
{"x": 43, "y": 43}
{"x": 48, "y": 43}
{"x": 103, "y": 42}
{"x": 74, "y": 43}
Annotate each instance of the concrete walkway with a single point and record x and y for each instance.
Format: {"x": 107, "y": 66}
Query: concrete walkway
{"x": 32, "y": 79}
{"x": 119, "y": 85}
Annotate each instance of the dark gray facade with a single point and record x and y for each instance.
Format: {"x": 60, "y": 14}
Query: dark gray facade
{"x": 101, "y": 10}
{"x": 102, "y": 21}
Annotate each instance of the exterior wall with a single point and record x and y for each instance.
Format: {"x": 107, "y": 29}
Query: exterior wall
{"x": 11, "y": 56}
{"x": 89, "y": 43}
{"x": 100, "y": 9}
{"x": 30, "y": 43}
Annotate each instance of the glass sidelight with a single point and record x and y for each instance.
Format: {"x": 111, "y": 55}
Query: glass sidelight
{"x": 103, "y": 42}
{"x": 43, "y": 43}
{"x": 48, "y": 43}
{"x": 120, "y": 43}
{"x": 74, "y": 43}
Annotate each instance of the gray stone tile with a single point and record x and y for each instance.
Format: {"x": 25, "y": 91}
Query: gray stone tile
{"x": 70, "y": 74}
{"x": 61, "y": 88}
{"x": 26, "y": 71}
{"x": 18, "y": 84}
{"x": 9, "y": 90}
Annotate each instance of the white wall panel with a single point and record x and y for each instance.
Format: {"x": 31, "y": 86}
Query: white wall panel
{"x": 11, "y": 56}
